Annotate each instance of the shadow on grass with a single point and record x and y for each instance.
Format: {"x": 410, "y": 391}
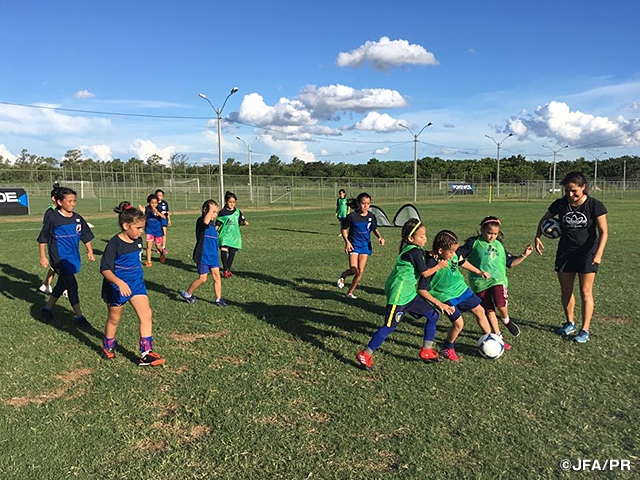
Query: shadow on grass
{"x": 364, "y": 288}
{"x": 297, "y": 231}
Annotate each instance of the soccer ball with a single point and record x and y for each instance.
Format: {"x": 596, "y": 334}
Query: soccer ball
{"x": 551, "y": 228}
{"x": 490, "y": 346}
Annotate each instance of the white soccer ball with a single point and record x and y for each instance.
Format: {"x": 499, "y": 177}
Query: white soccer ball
{"x": 551, "y": 228}
{"x": 491, "y": 346}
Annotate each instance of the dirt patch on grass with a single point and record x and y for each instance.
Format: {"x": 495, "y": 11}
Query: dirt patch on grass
{"x": 615, "y": 320}
{"x": 69, "y": 381}
{"x": 193, "y": 337}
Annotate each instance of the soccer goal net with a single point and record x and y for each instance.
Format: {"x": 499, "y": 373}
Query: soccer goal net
{"x": 83, "y": 188}
{"x": 191, "y": 185}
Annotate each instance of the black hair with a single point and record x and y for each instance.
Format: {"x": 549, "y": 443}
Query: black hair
{"x": 444, "y": 239}
{"x": 153, "y": 196}
{"x": 342, "y": 190}
{"x": 207, "y": 205}
{"x": 575, "y": 177}
{"x": 159, "y": 191}
{"x": 229, "y": 195}
{"x": 409, "y": 228}
{"x": 493, "y": 221}
{"x": 354, "y": 203}
{"x": 127, "y": 213}
{"x": 59, "y": 193}
{"x": 56, "y": 187}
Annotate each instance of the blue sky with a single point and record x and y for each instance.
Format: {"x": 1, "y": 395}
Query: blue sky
{"x": 321, "y": 81}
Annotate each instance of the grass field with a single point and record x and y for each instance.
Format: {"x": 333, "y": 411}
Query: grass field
{"x": 269, "y": 387}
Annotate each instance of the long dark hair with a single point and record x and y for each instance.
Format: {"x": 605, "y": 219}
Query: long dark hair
{"x": 354, "y": 203}
{"x": 127, "y": 213}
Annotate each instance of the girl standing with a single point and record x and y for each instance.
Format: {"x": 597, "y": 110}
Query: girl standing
{"x": 153, "y": 227}
{"x": 342, "y": 206}
{"x": 51, "y": 209}
{"x": 584, "y": 235}
{"x": 356, "y": 232}
{"x": 205, "y": 254}
{"x": 61, "y": 234}
{"x": 402, "y": 296}
{"x": 123, "y": 282}
{"x": 163, "y": 207}
{"x": 488, "y": 253}
{"x": 229, "y": 221}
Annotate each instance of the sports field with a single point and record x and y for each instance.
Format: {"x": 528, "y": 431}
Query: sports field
{"x": 269, "y": 387}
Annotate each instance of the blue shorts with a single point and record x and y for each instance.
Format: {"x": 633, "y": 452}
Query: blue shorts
{"x": 418, "y": 307}
{"x": 464, "y": 303}
{"x": 204, "y": 269}
{"x": 112, "y": 296}
{"x": 164, "y": 222}
{"x": 361, "y": 250}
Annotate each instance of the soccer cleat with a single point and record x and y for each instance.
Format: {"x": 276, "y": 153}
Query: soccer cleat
{"x": 45, "y": 288}
{"x": 226, "y": 274}
{"x": 162, "y": 258}
{"x": 581, "y": 337}
{"x": 231, "y": 274}
{"x": 351, "y": 296}
{"x": 221, "y": 302}
{"x": 449, "y": 354}
{"x": 46, "y": 314}
{"x": 108, "y": 353}
{"x": 365, "y": 360}
{"x": 566, "y": 329}
{"x": 340, "y": 283}
{"x": 148, "y": 264}
{"x": 188, "y": 298}
{"x": 513, "y": 328}
{"x": 429, "y": 355}
{"x": 150, "y": 358}
{"x": 82, "y": 322}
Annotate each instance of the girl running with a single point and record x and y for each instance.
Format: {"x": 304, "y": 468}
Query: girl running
{"x": 356, "y": 232}
{"x": 123, "y": 282}
{"x": 229, "y": 221}
{"x": 205, "y": 254}
{"x": 61, "y": 234}
{"x": 51, "y": 209}
{"x": 402, "y": 296}
{"x": 342, "y": 206}
{"x": 153, "y": 227}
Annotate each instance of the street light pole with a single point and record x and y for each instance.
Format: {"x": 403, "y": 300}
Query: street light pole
{"x": 553, "y": 183}
{"x": 498, "y": 161}
{"x": 595, "y": 171}
{"x": 249, "y": 163}
{"x": 219, "y": 115}
{"x": 415, "y": 158}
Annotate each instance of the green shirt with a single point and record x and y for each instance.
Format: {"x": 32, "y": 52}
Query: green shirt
{"x": 401, "y": 284}
{"x": 341, "y": 207}
{"x": 488, "y": 257}
{"x": 229, "y": 228}
{"x": 448, "y": 283}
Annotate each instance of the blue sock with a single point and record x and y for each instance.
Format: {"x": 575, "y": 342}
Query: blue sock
{"x": 146, "y": 344}
{"x": 448, "y": 344}
{"x": 108, "y": 343}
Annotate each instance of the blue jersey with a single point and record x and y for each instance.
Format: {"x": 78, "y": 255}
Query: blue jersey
{"x": 163, "y": 207}
{"x": 360, "y": 228}
{"x": 124, "y": 260}
{"x": 153, "y": 225}
{"x": 62, "y": 236}
{"x": 206, "y": 249}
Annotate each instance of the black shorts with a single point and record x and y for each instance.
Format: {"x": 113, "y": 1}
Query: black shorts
{"x": 575, "y": 263}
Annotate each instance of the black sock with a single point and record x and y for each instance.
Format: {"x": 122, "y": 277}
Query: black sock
{"x": 232, "y": 254}
{"x": 224, "y": 256}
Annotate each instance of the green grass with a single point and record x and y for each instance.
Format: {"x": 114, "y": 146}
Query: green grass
{"x": 269, "y": 388}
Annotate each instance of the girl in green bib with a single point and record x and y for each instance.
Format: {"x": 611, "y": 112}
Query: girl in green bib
{"x": 487, "y": 252}
{"x": 229, "y": 221}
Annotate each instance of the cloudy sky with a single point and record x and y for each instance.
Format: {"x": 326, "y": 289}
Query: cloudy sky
{"x": 322, "y": 81}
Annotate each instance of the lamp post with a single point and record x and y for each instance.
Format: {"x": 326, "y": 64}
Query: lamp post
{"x": 249, "y": 163}
{"x": 415, "y": 158}
{"x": 219, "y": 115}
{"x": 498, "y": 161}
{"x": 595, "y": 170}
{"x": 555, "y": 152}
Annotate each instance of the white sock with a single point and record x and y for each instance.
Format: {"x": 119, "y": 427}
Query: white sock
{"x": 506, "y": 320}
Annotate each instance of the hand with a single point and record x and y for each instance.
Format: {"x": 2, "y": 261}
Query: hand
{"x": 597, "y": 260}
{"x": 446, "y": 308}
{"x": 125, "y": 291}
{"x": 168, "y": 222}
{"x": 539, "y": 246}
{"x": 442, "y": 263}
{"x": 485, "y": 275}
{"x": 91, "y": 257}
{"x": 527, "y": 251}
{"x": 44, "y": 262}
{"x": 381, "y": 240}
{"x": 348, "y": 247}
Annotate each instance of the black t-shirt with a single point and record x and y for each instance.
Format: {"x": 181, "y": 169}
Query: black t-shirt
{"x": 579, "y": 226}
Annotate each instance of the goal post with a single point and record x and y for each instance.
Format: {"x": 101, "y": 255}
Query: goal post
{"x": 83, "y": 188}
{"x": 191, "y": 185}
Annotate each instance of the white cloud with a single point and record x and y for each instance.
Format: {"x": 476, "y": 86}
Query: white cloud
{"x": 84, "y": 94}
{"x": 47, "y": 121}
{"x": 382, "y": 151}
{"x": 6, "y": 154}
{"x": 326, "y": 101}
{"x": 324, "y": 152}
{"x": 97, "y": 152}
{"x": 386, "y": 54}
{"x": 143, "y": 149}
{"x": 378, "y": 122}
{"x": 286, "y": 149}
{"x": 286, "y": 112}
{"x": 557, "y": 122}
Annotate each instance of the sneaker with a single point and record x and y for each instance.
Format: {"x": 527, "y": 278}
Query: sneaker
{"x": 45, "y": 288}
{"x": 108, "y": 353}
{"x": 429, "y": 355}
{"x": 82, "y": 322}
{"x": 221, "y": 302}
{"x": 150, "y": 358}
{"x": 507, "y": 346}
{"x": 64, "y": 294}
{"x": 513, "y": 328}
{"x": 226, "y": 274}
{"x": 148, "y": 264}
{"x": 162, "y": 258}
{"x": 364, "y": 359}
{"x": 351, "y": 296}
{"x": 46, "y": 314}
{"x": 340, "y": 283}
{"x": 581, "y": 337}
{"x": 449, "y": 354}
{"x": 566, "y": 329}
{"x": 231, "y": 274}
{"x": 188, "y": 298}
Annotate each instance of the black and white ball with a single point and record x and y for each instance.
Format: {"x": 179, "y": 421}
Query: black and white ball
{"x": 551, "y": 228}
{"x": 491, "y": 346}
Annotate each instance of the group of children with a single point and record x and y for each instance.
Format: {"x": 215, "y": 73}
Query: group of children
{"x": 121, "y": 263}
{"x": 425, "y": 283}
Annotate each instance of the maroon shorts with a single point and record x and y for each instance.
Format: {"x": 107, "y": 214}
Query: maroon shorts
{"x": 494, "y": 297}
